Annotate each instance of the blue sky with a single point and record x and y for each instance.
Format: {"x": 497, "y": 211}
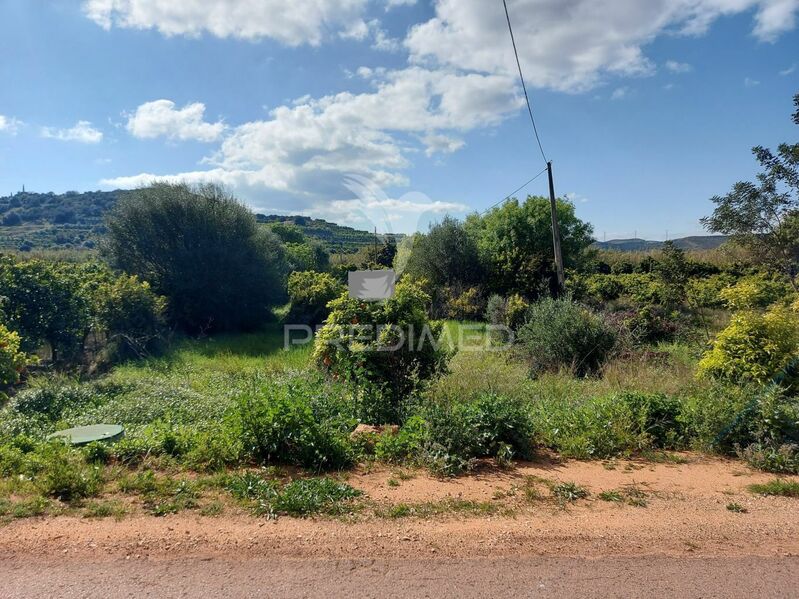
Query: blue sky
{"x": 391, "y": 113}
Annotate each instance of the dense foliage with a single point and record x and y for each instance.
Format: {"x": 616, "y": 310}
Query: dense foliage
{"x": 203, "y": 250}
{"x": 515, "y": 244}
{"x": 309, "y": 294}
{"x": 385, "y": 348}
{"x": 559, "y": 333}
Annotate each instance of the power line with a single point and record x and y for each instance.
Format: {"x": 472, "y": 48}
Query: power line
{"x": 507, "y": 197}
{"x": 524, "y": 87}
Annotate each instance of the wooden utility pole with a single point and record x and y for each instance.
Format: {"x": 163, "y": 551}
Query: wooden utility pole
{"x": 555, "y": 231}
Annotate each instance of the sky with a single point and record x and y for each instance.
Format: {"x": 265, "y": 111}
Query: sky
{"x": 393, "y": 113}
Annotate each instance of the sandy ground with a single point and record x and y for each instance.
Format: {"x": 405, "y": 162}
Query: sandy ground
{"x": 684, "y": 536}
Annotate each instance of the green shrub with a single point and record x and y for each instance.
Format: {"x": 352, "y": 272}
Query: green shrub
{"x": 309, "y": 294}
{"x": 597, "y": 427}
{"x": 487, "y": 426}
{"x": 63, "y": 473}
{"x": 388, "y": 349}
{"x": 406, "y": 445}
{"x": 562, "y": 334}
{"x": 467, "y": 305}
{"x": 12, "y": 360}
{"x": 706, "y": 292}
{"x": 131, "y": 314}
{"x": 657, "y": 418}
{"x": 782, "y": 459}
{"x": 203, "y": 250}
{"x": 754, "y": 291}
{"x": 277, "y": 425}
{"x": 652, "y": 323}
{"x": 313, "y": 495}
{"x": 755, "y": 347}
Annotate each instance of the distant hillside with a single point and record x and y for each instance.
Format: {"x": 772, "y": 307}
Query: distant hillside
{"x": 48, "y": 220}
{"x": 336, "y": 238}
{"x": 75, "y": 220}
{"x": 695, "y": 242}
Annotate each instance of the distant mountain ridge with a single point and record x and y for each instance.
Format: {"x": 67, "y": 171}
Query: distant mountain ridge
{"x": 693, "y": 242}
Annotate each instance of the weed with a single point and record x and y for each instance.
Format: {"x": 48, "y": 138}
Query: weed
{"x": 105, "y": 509}
{"x": 778, "y": 487}
{"x": 393, "y": 482}
{"x": 434, "y": 508}
{"x": 313, "y": 495}
{"x": 569, "y": 491}
{"x": 613, "y": 496}
{"x": 737, "y": 508}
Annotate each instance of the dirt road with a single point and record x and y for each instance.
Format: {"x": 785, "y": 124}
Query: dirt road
{"x": 683, "y": 541}
{"x": 650, "y": 576}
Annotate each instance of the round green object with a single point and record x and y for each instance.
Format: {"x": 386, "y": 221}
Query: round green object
{"x": 81, "y": 435}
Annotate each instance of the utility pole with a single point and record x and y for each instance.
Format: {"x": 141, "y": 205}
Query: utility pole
{"x": 555, "y": 231}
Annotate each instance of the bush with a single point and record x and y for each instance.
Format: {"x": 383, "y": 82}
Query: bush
{"x": 706, "y": 292}
{"x": 203, "y": 250}
{"x": 562, "y": 334}
{"x": 44, "y": 303}
{"x": 12, "y": 360}
{"x": 653, "y": 323}
{"x": 754, "y": 291}
{"x": 657, "y": 419}
{"x": 468, "y": 305}
{"x": 487, "y": 426}
{"x": 309, "y": 294}
{"x": 130, "y": 313}
{"x": 279, "y": 425}
{"x": 782, "y": 459}
{"x": 755, "y": 347}
{"x": 387, "y": 349}
{"x": 63, "y": 473}
{"x": 597, "y": 427}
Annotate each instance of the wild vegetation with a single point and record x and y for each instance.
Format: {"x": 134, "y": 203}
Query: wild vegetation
{"x": 176, "y": 333}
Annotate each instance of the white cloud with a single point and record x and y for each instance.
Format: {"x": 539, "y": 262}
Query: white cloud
{"x": 82, "y": 132}
{"x": 787, "y": 71}
{"x": 678, "y": 67}
{"x": 441, "y": 143}
{"x": 9, "y": 125}
{"x": 749, "y": 82}
{"x": 160, "y": 118}
{"x": 245, "y": 19}
{"x": 574, "y": 45}
{"x": 304, "y": 151}
{"x": 620, "y": 93}
{"x": 360, "y": 30}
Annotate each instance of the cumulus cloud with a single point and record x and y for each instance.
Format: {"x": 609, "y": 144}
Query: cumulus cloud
{"x": 305, "y": 149}
{"x": 574, "y": 45}
{"x": 160, "y": 118}
{"x": 244, "y": 19}
{"x": 678, "y": 67}
{"x": 9, "y": 125}
{"x": 437, "y": 143}
{"x": 82, "y": 132}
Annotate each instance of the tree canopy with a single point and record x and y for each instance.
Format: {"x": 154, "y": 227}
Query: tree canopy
{"x": 515, "y": 243}
{"x": 203, "y": 250}
{"x": 764, "y": 216}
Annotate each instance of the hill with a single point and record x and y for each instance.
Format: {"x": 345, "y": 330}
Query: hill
{"x": 694, "y": 242}
{"x": 48, "y": 220}
{"x": 74, "y": 220}
{"x": 336, "y": 238}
